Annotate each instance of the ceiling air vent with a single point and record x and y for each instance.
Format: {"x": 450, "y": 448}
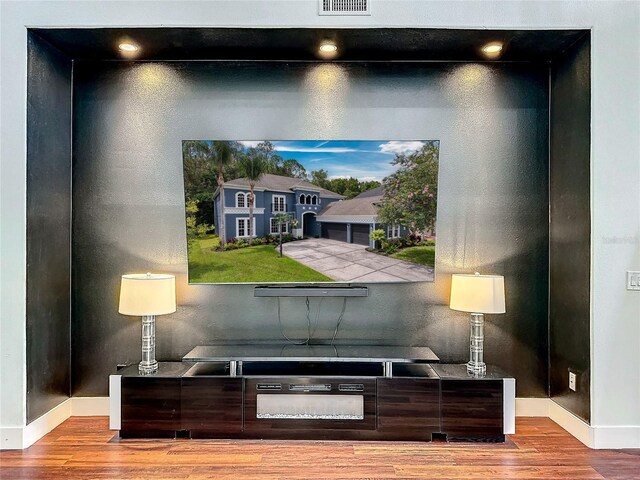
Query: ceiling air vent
{"x": 344, "y": 7}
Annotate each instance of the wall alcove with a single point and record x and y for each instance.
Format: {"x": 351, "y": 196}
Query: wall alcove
{"x": 104, "y": 187}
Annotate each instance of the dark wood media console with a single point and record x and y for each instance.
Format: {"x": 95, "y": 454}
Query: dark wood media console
{"x": 346, "y": 399}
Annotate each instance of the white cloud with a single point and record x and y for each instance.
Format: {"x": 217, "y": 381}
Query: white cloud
{"x": 368, "y": 178}
{"x": 249, "y": 143}
{"x": 396, "y": 146}
{"x": 283, "y": 148}
{"x": 373, "y": 171}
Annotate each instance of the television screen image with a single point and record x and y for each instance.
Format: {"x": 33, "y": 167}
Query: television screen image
{"x": 311, "y": 211}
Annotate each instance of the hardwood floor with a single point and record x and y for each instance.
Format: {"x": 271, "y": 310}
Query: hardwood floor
{"x": 84, "y": 448}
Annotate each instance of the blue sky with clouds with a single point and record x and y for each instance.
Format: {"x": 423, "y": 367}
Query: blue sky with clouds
{"x": 364, "y": 160}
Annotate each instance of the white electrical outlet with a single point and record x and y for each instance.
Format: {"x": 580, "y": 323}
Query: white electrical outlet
{"x": 572, "y": 381}
{"x": 633, "y": 280}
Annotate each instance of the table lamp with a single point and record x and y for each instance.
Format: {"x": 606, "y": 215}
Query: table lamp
{"x": 477, "y": 294}
{"x": 148, "y": 295}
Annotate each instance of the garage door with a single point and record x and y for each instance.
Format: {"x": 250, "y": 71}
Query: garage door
{"x": 335, "y": 231}
{"x": 360, "y": 234}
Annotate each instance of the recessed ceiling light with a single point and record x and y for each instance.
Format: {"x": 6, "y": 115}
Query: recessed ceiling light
{"x": 328, "y": 47}
{"x": 492, "y": 49}
{"x": 128, "y": 47}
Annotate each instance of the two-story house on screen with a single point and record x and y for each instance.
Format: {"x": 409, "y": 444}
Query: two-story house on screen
{"x": 274, "y": 194}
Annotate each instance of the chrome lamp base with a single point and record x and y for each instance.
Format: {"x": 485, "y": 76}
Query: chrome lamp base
{"x": 476, "y": 365}
{"x": 148, "y": 365}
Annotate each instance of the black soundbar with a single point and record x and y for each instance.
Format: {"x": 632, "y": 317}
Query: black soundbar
{"x": 311, "y": 291}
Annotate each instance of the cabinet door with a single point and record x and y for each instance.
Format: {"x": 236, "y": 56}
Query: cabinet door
{"x": 150, "y": 407}
{"x": 212, "y": 407}
{"x": 472, "y": 409}
{"x": 408, "y": 408}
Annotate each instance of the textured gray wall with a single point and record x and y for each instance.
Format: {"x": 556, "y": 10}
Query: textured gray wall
{"x": 570, "y": 229}
{"x": 48, "y": 227}
{"x": 130, "y": 118}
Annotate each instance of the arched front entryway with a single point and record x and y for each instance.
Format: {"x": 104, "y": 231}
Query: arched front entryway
{"x": 309, "y": 225}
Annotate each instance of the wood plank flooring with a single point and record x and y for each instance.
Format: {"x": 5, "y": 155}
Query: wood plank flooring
{"x": 84, "y": 448}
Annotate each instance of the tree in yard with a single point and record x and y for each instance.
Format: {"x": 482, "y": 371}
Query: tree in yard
{"x": 199, "y": 173}
{"x": 366, "y": 185}
{"x": 267, "y": 151}
{"x": 319, "y": 178}
{"x": 349, "y": 187}
{"x": 276, "y": 164}
{"x": 207, "y": 162}
{"x": 199, "y": 179}
{"x": 195, "y": 230}
{"x": 411, "y": 192}
{"x": 253, "y": 166}
{"x": 223, "y": 154}
{"x": 293, "y": 168}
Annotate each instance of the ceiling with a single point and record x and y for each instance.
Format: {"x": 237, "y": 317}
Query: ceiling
{"x": 269, "y": 44}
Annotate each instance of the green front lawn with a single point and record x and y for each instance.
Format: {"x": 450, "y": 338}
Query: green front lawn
{"x": 257, "y": 264}
{"x": 420, "y": 255}
{"x": 209, "y": 242}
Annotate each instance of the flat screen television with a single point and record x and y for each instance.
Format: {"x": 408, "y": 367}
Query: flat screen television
{"x": 311, "y": 211}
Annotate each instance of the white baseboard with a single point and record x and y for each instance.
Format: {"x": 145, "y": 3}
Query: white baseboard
{"x": 89, "y": 406}
{"x": 593, "y": 436}
{"x": 16, "y": 438}
{"x": 22, "y": 437}
{"x": 532, "y": 407}
{"x": 572, "y": 424}
{"x": 625, "y": 436}
{"x": 546, "y": 407}
{"x": 11, "y": 438}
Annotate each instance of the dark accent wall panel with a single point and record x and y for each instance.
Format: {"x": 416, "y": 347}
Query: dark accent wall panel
{"x": 48, "y": 226}
{"x": 570, "y": 229}
{"x": 130, "y": 119}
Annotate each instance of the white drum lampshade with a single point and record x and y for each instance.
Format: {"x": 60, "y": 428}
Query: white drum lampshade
{"x": 477, "y": 293}
{"x": 147, "y": 294}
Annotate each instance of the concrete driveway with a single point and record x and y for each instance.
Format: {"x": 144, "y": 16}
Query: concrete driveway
{"x": 348, "y": 262}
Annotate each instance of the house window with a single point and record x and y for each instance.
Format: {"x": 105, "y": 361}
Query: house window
{"x": 278, "y": 204}
{"x": 393, "y": 231}
{"x": 242, "y": 200}
{"x": 242, "y": 227}
{"x": 274, "y": 227}
{"x": 302, "y": 198}
{"x": 314, "y": 200}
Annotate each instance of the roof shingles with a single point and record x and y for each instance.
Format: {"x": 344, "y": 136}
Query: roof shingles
{"x": 363, "y": 204}
{"x": 281, "y": 183}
